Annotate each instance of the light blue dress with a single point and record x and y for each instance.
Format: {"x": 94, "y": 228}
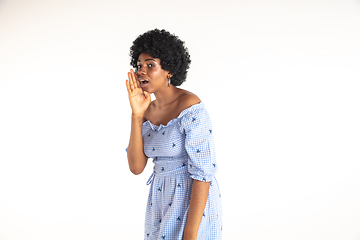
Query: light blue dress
{"x": 182, "y": 150}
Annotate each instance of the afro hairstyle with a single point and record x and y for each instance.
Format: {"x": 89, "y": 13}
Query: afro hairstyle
{"x": 172, "y": 52}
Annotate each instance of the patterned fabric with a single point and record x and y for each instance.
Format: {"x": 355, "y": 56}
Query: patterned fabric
{"x": 182, "y": 150}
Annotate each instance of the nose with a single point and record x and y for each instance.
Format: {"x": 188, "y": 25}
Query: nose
{"x": 141, "y": 71}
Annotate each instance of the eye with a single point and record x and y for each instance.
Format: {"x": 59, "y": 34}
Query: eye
{"x": 150, "y": 65}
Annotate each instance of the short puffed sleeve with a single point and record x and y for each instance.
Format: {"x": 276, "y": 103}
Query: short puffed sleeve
{"x": 199, "y": 144}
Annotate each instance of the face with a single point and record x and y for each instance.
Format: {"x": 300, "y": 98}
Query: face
{"x": 151, "y": 76}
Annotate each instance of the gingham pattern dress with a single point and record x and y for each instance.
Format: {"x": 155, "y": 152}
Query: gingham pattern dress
{"x": 182, "y": 150}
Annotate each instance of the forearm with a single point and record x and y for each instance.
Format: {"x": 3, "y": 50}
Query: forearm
{"x": 199, "y": 195}
{"x": 135, "y": 153}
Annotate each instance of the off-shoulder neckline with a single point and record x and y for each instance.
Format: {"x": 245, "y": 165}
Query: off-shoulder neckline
{"x": 183, "y": 112}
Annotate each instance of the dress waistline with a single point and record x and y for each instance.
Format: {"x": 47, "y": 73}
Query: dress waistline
{"x": 177, "y": 171}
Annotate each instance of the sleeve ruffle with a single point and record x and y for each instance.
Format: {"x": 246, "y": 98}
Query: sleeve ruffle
{"x": 199, "y": 144}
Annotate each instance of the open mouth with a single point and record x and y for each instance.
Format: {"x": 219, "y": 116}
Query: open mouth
{"x": 143, "y": 82}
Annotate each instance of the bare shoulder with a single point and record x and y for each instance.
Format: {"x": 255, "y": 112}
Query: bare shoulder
{"x": 187, "y": 99}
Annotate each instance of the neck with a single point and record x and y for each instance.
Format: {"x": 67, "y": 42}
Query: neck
{"x": 166, "y": 95}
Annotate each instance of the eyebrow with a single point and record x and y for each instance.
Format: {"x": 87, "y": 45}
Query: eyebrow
{"x": 149, "y": 59}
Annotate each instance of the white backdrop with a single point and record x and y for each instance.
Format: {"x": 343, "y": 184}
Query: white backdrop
{"x": 279, "y": 78}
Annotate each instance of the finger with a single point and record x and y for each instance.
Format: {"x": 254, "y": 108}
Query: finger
{"x": 136, "y": 80}
{"x": 128, "y": 86}
{"x": 131, "y": 82}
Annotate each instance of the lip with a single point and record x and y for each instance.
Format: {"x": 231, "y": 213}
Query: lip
{"x": 143, "y": 82}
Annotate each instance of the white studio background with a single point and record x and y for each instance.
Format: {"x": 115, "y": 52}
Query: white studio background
{"x": 279, "y": 78}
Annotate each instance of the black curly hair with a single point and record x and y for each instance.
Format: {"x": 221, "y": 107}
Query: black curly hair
{"x": 172, "y": 52}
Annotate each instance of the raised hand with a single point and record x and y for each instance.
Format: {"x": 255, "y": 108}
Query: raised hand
{"x": 139, "y": 99}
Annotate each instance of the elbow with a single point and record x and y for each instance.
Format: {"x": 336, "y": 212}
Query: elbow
{"x": 136, "y": 171}
{"x": 136, "y": 166}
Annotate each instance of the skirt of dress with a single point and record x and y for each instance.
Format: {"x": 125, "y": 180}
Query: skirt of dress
{"x": 168, "y": 205}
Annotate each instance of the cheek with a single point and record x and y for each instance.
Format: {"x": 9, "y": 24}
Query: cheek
{"x": 158, "y": 75}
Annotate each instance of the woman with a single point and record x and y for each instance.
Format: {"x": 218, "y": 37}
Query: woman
{"x": 175, "y": 131}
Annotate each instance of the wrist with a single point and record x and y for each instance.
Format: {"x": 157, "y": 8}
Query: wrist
{"x": 137, "y": 117}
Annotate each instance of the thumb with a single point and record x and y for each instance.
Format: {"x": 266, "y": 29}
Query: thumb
{"x": 147, "y": 95}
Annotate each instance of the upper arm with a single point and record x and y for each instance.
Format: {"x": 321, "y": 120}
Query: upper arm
{"x": 199, "y": 144}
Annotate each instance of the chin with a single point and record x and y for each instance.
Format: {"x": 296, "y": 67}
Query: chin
{"x": 147, "y": 89}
